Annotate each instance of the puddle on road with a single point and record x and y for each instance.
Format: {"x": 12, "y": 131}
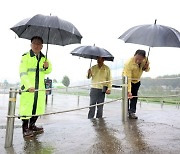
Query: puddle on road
{"x": 155, "y": 131}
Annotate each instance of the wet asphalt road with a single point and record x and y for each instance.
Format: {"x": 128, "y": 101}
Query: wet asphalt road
{"x": 157, "y": 130}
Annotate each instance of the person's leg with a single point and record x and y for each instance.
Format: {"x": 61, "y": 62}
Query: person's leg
{"x": 101, "y": 97}
{"x": 33, "y": 120}
{"x": 25, "y": 128}
{"x": 93, "y": 100}
{"x": 25, "y": 123}
{"x": 133, "y": 101}
{"x": 128, "y": 105}
{"x": 33, "y": 127}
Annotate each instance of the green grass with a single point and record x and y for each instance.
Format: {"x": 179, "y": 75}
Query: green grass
{"x": 115, "y": 94}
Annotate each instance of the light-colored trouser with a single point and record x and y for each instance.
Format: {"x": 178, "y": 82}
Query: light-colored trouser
{"x": 96, "y": 97}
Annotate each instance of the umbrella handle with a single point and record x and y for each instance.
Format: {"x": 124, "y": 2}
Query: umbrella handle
{"x": 89, "y": 68}
{"x": 148, "y": 53}
{"x": 146, "y": 59}
{"x": 90, "y": 63}
{"x": 47, "y": 43}
{"x": 46, "y": 51}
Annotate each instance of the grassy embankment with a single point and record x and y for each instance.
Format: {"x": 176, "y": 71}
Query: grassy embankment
{"x": 152, "y": 96}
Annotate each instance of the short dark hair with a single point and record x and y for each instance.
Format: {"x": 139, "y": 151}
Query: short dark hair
{"x": 37, "y": 37}
{"x": 140, "y": 52}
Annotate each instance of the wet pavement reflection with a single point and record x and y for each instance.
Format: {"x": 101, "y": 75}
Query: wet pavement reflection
{"x": 134, "y": 136}
{"x": 105, "y": 141}
{"x": 156, "y": 131}
{"x": 10, "y": 150}
{"x": 36, "y": 146}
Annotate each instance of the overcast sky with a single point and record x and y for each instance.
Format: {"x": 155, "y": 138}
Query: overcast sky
{"x": 100, "y": 22}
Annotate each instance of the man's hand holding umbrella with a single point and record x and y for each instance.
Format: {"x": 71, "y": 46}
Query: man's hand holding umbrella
{"x": 46, "y": 65}
{"x": 146, "y": 66}
{"x": 89, "y": 73}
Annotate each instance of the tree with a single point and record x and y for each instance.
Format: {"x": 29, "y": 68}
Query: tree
{"x": 5, "y": 84}
{"x": 66, "y": 81}
{"x": 54, "y": 81}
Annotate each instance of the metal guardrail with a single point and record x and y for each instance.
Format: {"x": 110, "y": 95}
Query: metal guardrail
{"x": 12, "y": 103}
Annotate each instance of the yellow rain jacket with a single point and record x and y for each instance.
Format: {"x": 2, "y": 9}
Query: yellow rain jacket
{"x": 133, "y": 71}
{"x": 32, "y": 74}
{"x": 101, "y": 75}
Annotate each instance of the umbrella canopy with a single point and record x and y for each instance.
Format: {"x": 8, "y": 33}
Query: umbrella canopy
{"x": 92, "y": 52}
{"x": 152, "y": 35}
{"x": 52, "y": 29}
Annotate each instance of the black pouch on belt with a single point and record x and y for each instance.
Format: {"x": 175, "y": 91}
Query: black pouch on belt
{"x": 104, "y": 89}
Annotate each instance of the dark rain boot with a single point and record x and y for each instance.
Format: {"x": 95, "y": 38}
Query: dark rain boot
{"x": 25, "y": 129}
{"x": 33, "y": 127}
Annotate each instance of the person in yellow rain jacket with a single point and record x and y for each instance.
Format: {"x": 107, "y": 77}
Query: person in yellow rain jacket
{"x": 134, "y": 69}
{"x": 33, "y": 68}
{"x": 99, "y": 73}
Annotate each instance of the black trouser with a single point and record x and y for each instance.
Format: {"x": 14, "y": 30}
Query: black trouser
{"x": 132, "y": 102}
{"x": 96, "y": 97}
{"x": 26, "y": 123}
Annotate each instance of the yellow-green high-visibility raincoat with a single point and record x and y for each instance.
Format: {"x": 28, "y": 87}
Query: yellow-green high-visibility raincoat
{"x": 32, "y": 74}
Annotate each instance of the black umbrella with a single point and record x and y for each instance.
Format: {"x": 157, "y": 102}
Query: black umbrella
{"x": 152, "y": 35}
{"x": 92, "y": 52}
{"x": 52, "y": 29}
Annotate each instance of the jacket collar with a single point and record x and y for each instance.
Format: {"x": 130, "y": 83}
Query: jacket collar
{"x": 32, "y": 54}
{"x": 101, "y": 66}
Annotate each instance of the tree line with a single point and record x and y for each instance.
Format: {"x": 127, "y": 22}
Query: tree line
{"x": 166, "y": 81}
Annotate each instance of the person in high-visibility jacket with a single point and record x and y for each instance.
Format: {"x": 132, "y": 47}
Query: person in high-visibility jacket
{"x": 33, "y": 68}
{"x": 134, "y": 69}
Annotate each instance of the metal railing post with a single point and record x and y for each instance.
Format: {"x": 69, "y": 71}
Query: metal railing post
{"x": 52, "y": 99}
{"x": 10, "y": 121}
{"x": 162, "y": 103}
{"x": 124, "y": 98}
{"x": 78, "y": 101}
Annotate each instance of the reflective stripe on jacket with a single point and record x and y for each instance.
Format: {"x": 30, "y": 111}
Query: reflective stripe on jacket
{"x": 32, "y": 74}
